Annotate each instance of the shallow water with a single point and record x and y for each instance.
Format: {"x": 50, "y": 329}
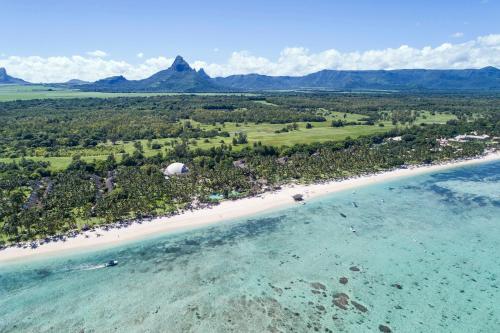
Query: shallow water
{"x": 423, "y": 258}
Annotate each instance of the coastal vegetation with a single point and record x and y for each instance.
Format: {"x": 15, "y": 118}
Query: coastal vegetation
{"x": 70, "y": 164}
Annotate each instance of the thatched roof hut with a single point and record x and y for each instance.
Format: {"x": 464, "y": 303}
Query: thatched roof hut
{"x": 175, "y": 169}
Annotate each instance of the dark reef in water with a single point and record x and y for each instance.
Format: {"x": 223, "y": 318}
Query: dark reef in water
{"x": 359, "y": 306}
{"x": 275, "y": 274}
{"x": 384, "y": 328}
{"x": 341, "y": 300}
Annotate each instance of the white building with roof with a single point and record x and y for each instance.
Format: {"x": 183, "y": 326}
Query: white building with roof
{"x": 174, "y": 169}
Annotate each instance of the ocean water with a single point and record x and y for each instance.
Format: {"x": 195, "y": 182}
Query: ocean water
{"x": 424, "y": 257}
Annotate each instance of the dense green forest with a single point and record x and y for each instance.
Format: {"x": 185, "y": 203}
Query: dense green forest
{"x": 205, "y": 132}
{"x": 88, "y": 122}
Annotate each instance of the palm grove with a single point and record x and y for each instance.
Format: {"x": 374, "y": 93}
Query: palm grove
{"x": 37, "y": 200}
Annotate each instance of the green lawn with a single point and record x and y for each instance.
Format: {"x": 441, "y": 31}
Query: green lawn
{"x": 265, "y": 133}
{"x": 57, "y": 162}
{"x": 320, "y": 132}
{"x": 18, "y": 92}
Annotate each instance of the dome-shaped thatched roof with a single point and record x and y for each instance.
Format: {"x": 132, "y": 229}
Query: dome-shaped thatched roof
{"x": 176, "y": 169}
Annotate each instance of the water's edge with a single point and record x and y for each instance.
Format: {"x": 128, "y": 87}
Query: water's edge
{"x": 226, "y": 212}
{"x": 422, "y": 259}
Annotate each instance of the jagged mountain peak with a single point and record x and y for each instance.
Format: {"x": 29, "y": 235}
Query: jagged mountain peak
{"x": 180, "y": 65}
{"x": 203, "y": 74}
{"x": 7, "y": 79}
{"x": 179, "y": 77}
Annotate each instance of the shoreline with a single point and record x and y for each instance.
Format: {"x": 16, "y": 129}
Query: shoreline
{"x": 226, "y": 210}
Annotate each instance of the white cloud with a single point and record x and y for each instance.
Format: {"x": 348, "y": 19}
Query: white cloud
{"x": 97, "y": 53}
{"x": 457, "y": 34}
{"x": 60, "y": 69}
{"x": 483, "y": 51}
{"x": 490, "y": 41}
{"x": 140, "y": 55}
{"x": 480, "y": 52}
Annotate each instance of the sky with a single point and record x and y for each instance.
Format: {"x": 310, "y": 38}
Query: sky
{"x": 53, "y": 41}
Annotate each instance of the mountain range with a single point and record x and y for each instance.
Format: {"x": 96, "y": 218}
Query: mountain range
{"x": 180, "y": 77}
{"x": 487, "y": 78}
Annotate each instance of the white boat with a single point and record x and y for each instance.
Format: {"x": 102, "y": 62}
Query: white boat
{"x": 111, "y": 263}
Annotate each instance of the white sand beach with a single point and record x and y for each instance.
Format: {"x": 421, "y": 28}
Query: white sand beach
{"x": 226, "y": 210}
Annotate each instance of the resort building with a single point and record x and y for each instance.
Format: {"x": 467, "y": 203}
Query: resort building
{"x": 175, "y": 169}
{"x": 471, "y": 137}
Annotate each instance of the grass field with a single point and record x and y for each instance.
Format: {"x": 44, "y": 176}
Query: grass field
{"x": 265, "y": 133}
{"x": 18, "y": 92}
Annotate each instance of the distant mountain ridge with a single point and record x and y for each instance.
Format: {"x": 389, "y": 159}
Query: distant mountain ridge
{"x": 76, "y": 82}
{"x": 7, "y": 79}
{"x": 487, "y": 78}
{"x": 180, "y": 77}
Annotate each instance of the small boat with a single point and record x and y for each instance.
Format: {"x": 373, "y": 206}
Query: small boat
{"x": 343, "y": 215}
{"x": 355, "y": 205}
{"x": 353, "y": 229}
{"x": 111, "y": 263}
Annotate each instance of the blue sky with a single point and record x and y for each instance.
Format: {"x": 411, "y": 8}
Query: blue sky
{"x": 195, "y": 29}
{"x": 211, "y": 31}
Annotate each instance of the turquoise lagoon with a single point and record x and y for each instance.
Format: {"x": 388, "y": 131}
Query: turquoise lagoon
{"x": 424, "y": 258}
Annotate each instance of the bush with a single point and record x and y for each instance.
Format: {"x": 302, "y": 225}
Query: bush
{"x": 408, "y": 137}
{"x": 337, "y": 123}
{"x": 240, "y": 138}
